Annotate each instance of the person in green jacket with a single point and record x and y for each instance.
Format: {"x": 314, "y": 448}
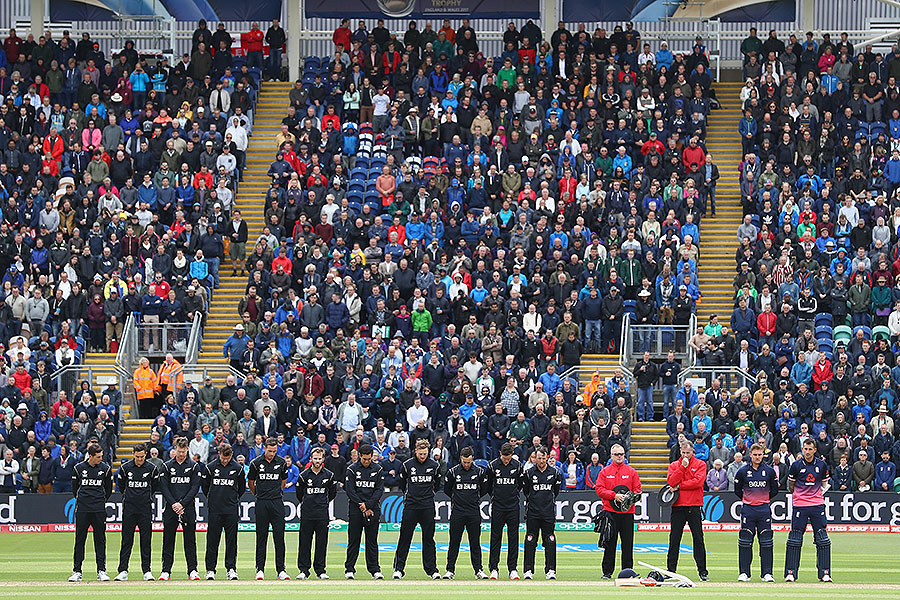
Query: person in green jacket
{"x": 421, "y": 323}
{"x": 713, "y": 329}
{"x": 881, "y": 301}
{"x": 859, "y": 302}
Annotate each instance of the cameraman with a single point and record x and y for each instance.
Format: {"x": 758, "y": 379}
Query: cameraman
{"x": 613, "y": 485}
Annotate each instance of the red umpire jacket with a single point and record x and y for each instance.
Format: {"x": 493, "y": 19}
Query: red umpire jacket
{"x": 689, "y": 481}
{"x": 615, "y": 475}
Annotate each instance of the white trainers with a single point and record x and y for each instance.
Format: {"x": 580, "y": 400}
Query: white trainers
{"x": 826, "y": 578}
{"x": 302, "y": 576}
{"x": 232, "y": 575}
{"x": 481, "y": 575}
{"x": 514, "y": 575}
{"x": 210, "y": 575}
{"x": 377, "y": 575}
{"x": 349, "y": 575}
{"x": 768, "y": 578}
{"x": 398, "y": 574}
{"x": 102, "y": 576}
{"x": 743, "y": 577}
{"x": 76, "y": 576}
{"x": 435, "y": 575}
{"x": 194, "y": 576}
{"x": 164, "y": 576}
{"x": 148, "y": 576}
{"x": 122, "y": 576}
{"x": 449, "y": 575}
{"x": 528, "y": 575}
{"x": 324, "y": 576}
{"x": 495, "y": 575}
{"x": 789, "y": 578}
{"x": 283, "y": 576}
{"x": 260, "y": 575}
{"x": 551, "y": 574}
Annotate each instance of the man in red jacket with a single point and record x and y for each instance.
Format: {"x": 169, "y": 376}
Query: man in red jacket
{"x": 687, "y": 475}
{"x": 609, "y": 488}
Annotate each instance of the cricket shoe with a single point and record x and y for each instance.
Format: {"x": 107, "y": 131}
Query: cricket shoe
{"x": 122, "y": 576}
{"x": 194, "y": 576}
{"x": 102, "y": 576}
{"x": 76, "y": 577}
{"x": 743, "y": 577}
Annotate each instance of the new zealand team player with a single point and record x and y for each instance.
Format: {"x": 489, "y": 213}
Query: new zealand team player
{"x": 316, "y": 488}
{"x": 465, "y": 486}
{"x": 364, "y": 487}
{"x": 91, "y": 485}
{"x": 179, "y": 484}
{"x": 808, "y": 480}
{"x": 223, "y": 483}
{"x": 503, "y": 483}
{"x": 138, "y": 481}
{"x": 266, "y": 479}
{"x": 420, "y": 478}
{"x": 756, "y": 484}
{"x": 541, "y": 487}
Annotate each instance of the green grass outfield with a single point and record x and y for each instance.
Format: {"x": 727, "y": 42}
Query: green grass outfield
{"x": 863, "y": 564}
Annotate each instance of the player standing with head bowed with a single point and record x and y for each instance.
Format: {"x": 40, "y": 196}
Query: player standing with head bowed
{"x": 756, "y": 484}
{"x": 364, "y": 487}
{"x": 420, "y": 478}
{"x": 179, "y": 484}
{"x": 541, "y": 487}
{"x": 138, "y": 481}
{"x": 808, "y": 480}
{"x": 503, "y": 484}
{"x": 465, "y": 486}
{"x": 91, "y": 485}
{"x": 223, "y": 485}
{"x": 266, "y": 478}
{"x": 316, "y": 488}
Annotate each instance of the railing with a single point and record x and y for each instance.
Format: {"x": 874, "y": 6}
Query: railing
{"x": 125, "y": 357}
{"x": 68, "y": 379}
{"x": 155, "y": 340}
{"x": 192, "y": 354}
{"x": 731, "y": 378}
{"x": 658, "y": 340}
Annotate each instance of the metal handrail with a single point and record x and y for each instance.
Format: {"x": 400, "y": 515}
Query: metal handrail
{"x": 192, "y": 354}
{"x": 126, "y": 354}
{"x": 724, "y": 373}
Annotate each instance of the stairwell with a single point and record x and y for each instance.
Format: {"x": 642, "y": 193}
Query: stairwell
{"x": 649, "y": 454}
{"x": 132, "y": 429}
{"x": 270, "y": 109}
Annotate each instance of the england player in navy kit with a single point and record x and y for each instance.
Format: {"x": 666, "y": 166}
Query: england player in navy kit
{"x": 756, "y": 484}
{"x": 808, "y": 480}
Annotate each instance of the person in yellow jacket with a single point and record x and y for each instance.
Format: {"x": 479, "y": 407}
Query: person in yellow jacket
{"x": 146, "y": 384}
{"x": 170, "y": 377}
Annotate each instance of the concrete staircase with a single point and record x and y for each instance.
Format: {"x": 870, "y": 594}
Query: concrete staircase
{"x": 649, "y": 454}
{"x": 270, "y": 109}
{"x": 718, "y": 236}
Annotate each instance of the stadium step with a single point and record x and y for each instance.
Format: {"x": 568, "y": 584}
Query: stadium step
{"x": 648, "y": 453}
{"x": 270, "y": 109}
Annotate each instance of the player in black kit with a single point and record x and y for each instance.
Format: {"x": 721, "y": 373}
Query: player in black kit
{"x": 316, "y": 488}
{"x": 541, "y": 487}
{"x": 420, "y": 478}
{"x": 138, "y": 481}
{"x": 364, "y": 487}
{"x": 266, "y": 478}
{"x": 223, "y": 484}
{"x": 179, "y": 484}
{"x": 465, "y": 486}
{"x": 91, "y": 485}
{"x": 503, "y": 483}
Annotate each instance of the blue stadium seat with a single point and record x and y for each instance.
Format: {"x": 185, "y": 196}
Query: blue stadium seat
{"x": 823, "y": 319}
{"x": 356, "y": 185}
{"x": 824, "y": 332}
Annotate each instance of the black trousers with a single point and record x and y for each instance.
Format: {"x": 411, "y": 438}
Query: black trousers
{"x": 308, "y": 529}
{"x": 135, "y": 517}
{"x": 693, "y": 517}
{"x": 357, "y": 525}
{"x": 83, "y": 522}
{"x": 188, "y": 523}
{"x": 545, "y": 529}
{"x": 471, "y": 524}
{"x": 509, "y": 518}
{"x": 270, "y": 513}
{"x": 218, "y": 523}
{"x": 424, "y": 517}
{"x": 623, "y": 528}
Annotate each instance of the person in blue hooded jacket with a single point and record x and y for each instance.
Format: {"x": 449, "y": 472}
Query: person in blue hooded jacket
{"x": 788, "y": 419}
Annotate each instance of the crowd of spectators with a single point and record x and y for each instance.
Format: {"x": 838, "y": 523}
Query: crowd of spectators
{"x": 816, "y": 317}
{"x": 118, "y": 174}
{"x": 446, "y": 233}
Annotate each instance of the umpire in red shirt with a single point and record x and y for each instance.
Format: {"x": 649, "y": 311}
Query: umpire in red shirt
{"x": 612, "y": 484}
{"x": 688, "y": 475}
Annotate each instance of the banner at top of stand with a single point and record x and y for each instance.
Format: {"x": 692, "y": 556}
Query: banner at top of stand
{"x": 425, "y": 9}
